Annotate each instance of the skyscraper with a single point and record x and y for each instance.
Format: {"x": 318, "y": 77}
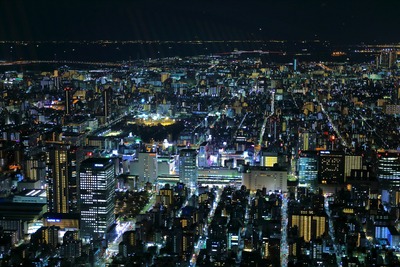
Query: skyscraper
{"x": 97, "y": 190}
{"x": 188, "y": 171}
{"x": 62, "y": 178}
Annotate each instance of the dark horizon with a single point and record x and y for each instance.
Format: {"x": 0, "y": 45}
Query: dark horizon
{"x": 177, "y": 20}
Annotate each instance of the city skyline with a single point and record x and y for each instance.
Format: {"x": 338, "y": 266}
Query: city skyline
{"x": 210, "y": 160}
{"x": 199, "y": 133}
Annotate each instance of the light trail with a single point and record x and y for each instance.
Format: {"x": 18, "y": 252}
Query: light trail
{"x": 266, "y": 118}
{"x": 344, "y": 142}
{"x": 203, "y": 238}
{"x": 284, "y": 222}
{"x": 332, "y": 234}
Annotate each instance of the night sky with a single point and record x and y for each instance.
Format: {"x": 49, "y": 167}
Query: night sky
{"x": 336, "y": 20}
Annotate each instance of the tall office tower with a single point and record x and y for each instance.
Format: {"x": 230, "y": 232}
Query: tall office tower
{"x": 188, "y": 171}
{"x": 331, "y": 167}
{"x": 62, "y": 178}
{"x": 107, "y": 102}
{"x": 308, "y": 169}
{"x": 307, "y": 141}
{"x": 388, "y": 171}
{"x": 310, "y": 225}
{"x": 97, "y": 190}
{"x": 145, "y": 167}
{"x": 351, "y": 162}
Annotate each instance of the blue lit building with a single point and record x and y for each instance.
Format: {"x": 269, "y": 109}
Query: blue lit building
{"x": 308, "y": 169}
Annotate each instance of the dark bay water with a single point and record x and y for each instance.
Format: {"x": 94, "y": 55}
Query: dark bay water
{"x": 125, "y": 51}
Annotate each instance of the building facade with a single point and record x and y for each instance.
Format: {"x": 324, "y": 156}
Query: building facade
{"x": 97, "y": 190}
{"x": 62, "y": 178}
{"x": 188, "y": 170}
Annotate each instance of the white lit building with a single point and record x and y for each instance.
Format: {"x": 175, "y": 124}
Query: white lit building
{"x": 97, "y": 189}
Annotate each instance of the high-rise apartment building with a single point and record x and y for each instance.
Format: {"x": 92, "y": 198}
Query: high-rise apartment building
{"x": 62, "y": 195}
{"x": 97, "y": 190}
{"x": 35, "y": 167}
{"x": 46, "y": 235}
{"x": 351, "y": 162}
{"x": 310, "y": 225}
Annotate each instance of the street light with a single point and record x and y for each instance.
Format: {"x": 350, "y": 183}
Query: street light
{"x": 332, "y": 138}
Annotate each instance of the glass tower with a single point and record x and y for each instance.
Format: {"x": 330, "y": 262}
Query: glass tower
{"x": 188, "y": 168}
